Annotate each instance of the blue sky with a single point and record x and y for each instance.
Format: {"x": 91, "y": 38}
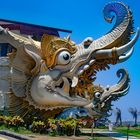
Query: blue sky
{"x": 84, "y": 18}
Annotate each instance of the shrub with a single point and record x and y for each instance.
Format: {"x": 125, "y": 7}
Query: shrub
{"x": 72, "y": 125}
{"x": 7, "y": 121}
{"x": 38, "y": 127}
{"x": 17, "y": 121}
{"x": 1, "y": 120}
{"x": 52, "y": 124}
{"x": 64, "y": 126}
{"x": 67, "y": 126}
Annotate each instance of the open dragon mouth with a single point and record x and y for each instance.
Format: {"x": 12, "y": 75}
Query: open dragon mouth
{"x": 77, "y": 85}
{"x": 64, "y": 88}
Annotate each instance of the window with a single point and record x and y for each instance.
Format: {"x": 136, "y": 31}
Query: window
{"x": 5, "y": 48}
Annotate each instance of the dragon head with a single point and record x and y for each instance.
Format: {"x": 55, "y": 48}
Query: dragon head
{"x": 103, "y": 96}
{"x": 67, "y": 71}
{"x": 60, "y": 74}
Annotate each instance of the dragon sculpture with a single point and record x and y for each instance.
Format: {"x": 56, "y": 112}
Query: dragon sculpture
{"x": 54, "y": 74}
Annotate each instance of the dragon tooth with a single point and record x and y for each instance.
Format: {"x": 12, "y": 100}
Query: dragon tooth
{"x": 91, "y": 62}
{"x": 86, "y": 67}
{"x": 103, "y": 104}
{"x": 80, "y": 72}
{"x": 74, "y": 81}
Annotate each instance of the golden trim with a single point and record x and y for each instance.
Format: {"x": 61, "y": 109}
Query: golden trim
{"x": 52, "y": 45}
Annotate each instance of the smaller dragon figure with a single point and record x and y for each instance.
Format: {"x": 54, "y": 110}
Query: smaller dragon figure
{"x": 54, "y": 74}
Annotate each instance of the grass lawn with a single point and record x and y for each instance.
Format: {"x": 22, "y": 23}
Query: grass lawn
{"x": 133, "y": 131}
{"x": 20, "y": 130}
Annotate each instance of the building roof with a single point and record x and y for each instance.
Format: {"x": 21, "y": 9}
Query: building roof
{"x": 28, "y": 28}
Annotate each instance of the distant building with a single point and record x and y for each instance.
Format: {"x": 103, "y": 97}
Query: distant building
{"x": 25, "y": 29}
{"x": 4, "y": 81}
{"x": 35, "y": 31}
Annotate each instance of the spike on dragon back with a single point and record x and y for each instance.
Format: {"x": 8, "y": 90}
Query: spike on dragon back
{"x": 54, "y": 74}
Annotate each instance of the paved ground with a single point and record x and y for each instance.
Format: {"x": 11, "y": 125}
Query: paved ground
{"x": 3, "y": 137}
{"x": 8, "y": 135}
{"x": 117, "y": 136}
{"x": 114, "y": 135}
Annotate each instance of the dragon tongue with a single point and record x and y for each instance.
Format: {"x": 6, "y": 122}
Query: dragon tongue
{"x": 74, "y": 81}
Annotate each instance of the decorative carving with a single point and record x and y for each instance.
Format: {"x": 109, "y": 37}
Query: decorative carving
{"x": 52, "y": 45}
{"x": 54, "y": 74}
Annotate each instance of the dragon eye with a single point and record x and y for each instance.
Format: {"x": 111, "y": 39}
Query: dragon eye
{"x": 64, "y": 57}
{"x": 97, "y": 94}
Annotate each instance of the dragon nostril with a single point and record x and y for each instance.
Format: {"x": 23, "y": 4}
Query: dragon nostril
{"x": 87, "y": 42}
{"x": 107, "y": 88}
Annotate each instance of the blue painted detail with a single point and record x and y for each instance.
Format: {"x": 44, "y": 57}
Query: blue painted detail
{"x": 75, "y": 112}
{"x": 117, "y": 8}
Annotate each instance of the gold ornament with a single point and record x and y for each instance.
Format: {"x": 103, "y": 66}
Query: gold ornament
{"x": 52, "y": 45}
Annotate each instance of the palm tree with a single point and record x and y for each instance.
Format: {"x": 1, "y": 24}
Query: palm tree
{"x": 118, "y": 117}
{"x": 134, "y": 112}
